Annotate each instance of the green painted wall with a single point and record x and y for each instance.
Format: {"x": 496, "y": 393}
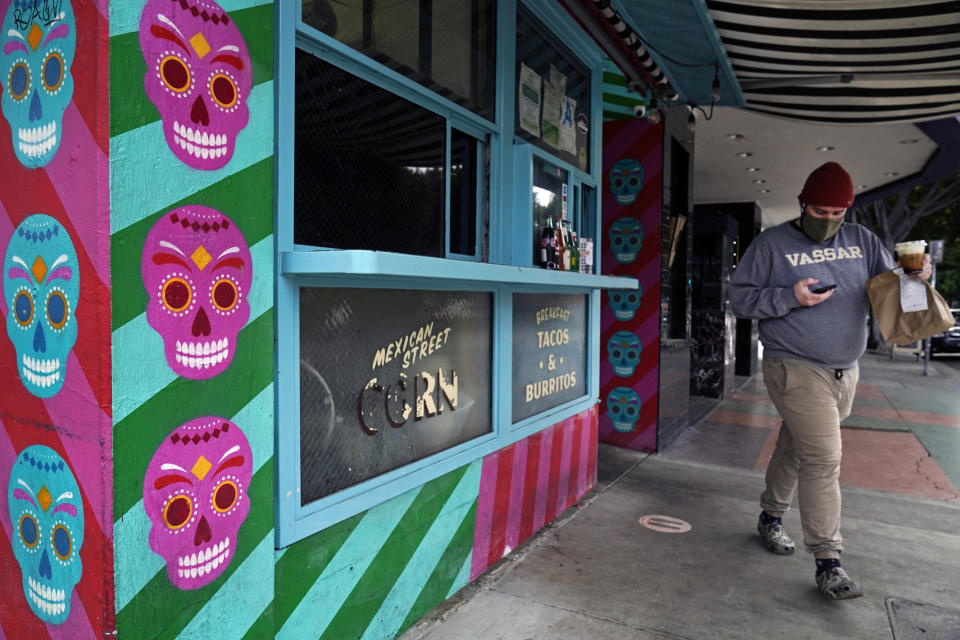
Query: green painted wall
{"x": 147, "y": 182}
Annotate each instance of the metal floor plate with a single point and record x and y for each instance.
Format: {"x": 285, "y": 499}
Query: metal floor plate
{"x": 913, "y": 621}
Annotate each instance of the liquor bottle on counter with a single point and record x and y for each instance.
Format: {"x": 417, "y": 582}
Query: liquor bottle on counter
{"x": 568, "y": 245}
{"x": 574, "y": 252}
{"x": 548, "y": 246}
{"x": 562, "y": 256}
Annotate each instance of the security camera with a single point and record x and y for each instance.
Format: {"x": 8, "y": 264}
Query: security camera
{"x": 639, "y": 110}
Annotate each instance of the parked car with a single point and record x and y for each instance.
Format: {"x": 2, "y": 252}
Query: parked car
{"x": 947, "y": 341}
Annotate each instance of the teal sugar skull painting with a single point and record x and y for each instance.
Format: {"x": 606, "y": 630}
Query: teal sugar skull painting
{"x": 41, "y": 288}
{"x": 46, "y": 511}
{"x": 38, "y": 40}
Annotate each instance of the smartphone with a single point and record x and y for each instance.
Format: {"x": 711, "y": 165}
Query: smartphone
{"x": 823, "y": 288}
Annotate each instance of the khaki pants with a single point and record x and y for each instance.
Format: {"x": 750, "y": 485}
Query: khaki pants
{"x": 812, "y": 401}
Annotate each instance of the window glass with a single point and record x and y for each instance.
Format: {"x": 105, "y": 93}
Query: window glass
{"x": 549, "y": 351}
{"x": 369, "y": 165}
{"x": 553, "y": 94}
{"x": 549, "y": 182}
{"x": 388, "y": 377}
{"x": 463, "y": 193}
{"x": 448, "y": 46}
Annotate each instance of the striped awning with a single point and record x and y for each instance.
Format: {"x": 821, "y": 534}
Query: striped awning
{"x": 844, "y": 61}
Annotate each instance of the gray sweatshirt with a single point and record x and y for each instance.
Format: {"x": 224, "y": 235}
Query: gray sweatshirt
{"x": 833, "y": 333}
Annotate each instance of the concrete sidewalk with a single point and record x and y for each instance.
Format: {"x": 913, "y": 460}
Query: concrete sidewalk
{"x": 598, "y": 573}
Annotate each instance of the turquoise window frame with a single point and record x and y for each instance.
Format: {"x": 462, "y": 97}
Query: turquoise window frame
{"x": 503, "y": 275}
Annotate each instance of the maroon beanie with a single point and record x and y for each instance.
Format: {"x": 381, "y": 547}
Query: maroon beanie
{"x": 828, "y": 186}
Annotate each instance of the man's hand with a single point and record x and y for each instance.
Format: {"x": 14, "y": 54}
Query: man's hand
{"x": 806, "y": 297}
{"x": 925, "y": 273}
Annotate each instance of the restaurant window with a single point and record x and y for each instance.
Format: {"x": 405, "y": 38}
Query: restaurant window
{"x": 379, "y": 391}
{"x": 371, "y": 169}
{"x": 395, "y": 367}
{"x": 553, "y": 94}
{"x": 370, "y": 166}
{"x": 448, "y": 46}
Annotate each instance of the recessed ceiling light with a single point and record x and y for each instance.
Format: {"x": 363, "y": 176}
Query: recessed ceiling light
{"x": 892, "y": 173}
{"x": 825, "y": 148}
{"x": 744, "y": 154}
{"x": 909, "y": 141}
{"x": 764, "y": 190}
{"x": 861, "y": 186}
{"x": 753, "y": 169}
{"x": 759, "y": 181}
{"x": 734, "y": 136}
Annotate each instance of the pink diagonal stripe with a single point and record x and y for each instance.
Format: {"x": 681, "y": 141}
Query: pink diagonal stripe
{"x": 90, "y": 453}
{"x": 543, "y": 479}
{"x": 77, "y": 624}
{"x": 79, "y": 149}
{"x": 481, "y": 532}
{"x": 530, "y": 485}
{"x": 594, "y": 443}
{"x": 576, "y": 455}
{"x": 563, "y": 478}
{"x": 517, "y": 487}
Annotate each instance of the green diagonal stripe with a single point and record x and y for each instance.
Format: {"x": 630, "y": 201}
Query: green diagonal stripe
{"x": 441, "y": 580}
{"x": 617, "y": 79}
{"x": 263, "y": 627}
{"x": 371, "y": 590}
{"x": 162, "y": 609}
{"x": 611, "y": 100}
{"x": 302, "y": 565}
{"x": 129, "y": 106}
{"x": 241, "y": 197}
{"x": 135, "y": 438}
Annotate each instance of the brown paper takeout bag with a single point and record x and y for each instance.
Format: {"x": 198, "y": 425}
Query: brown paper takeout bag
{"x": 903, "y": 328}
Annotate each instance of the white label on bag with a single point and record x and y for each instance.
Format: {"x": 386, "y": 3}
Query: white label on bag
{"x": 913, "y": 293}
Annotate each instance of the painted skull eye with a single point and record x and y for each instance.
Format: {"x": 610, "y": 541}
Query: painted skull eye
{"x": 224, "y": 294}
{"x": 631, "y": 354}
{"x": 176, "y": 294}
{"x": 19, "y": 80}
{"x": 617, "y": 298}
{"x": 53, "y": 71}
{"x": 23, "y": 308}
{"x": 175, "y": 73}
{"x": 632, "y": 298}
{"x": 57, "y": 309}
{"x": 29, "y": 530}
{"x": 634, "y": 181}
{"x": 223, "y": 90}
{"x": 61, "y": 542}
{"x": 225, "y": 496}
{"x": 634, "y": 241}
{"x": 618, "y": 182}
{"x": 177, "y": 512}
{"x": 618, "y": 241}
{"x": 631, "y": 411}
{"x": 616, "y": 353}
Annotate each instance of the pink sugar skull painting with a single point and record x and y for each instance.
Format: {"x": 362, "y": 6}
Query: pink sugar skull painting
{"x": 198, "y": 77}
{"x": 197, "y": 270}
{"x": 195, "y": 493}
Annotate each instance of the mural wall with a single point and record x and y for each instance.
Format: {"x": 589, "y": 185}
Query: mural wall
{"x": 631, "y": 204}
{"x": 375, "y": 574}
{"x": 191, "y": 239}
{"x": 56, "y": 528}
{"x": 136, "y": 377}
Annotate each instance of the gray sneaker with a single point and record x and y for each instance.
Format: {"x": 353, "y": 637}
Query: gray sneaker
{"x": 835, "y": 584}
{"x": 775, "y": 538}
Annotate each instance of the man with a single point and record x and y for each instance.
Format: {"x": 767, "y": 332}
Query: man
{"x": 812, "y": 337}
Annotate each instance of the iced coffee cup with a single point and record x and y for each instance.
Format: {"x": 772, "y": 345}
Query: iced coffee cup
{"x": 910, "y": 255}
